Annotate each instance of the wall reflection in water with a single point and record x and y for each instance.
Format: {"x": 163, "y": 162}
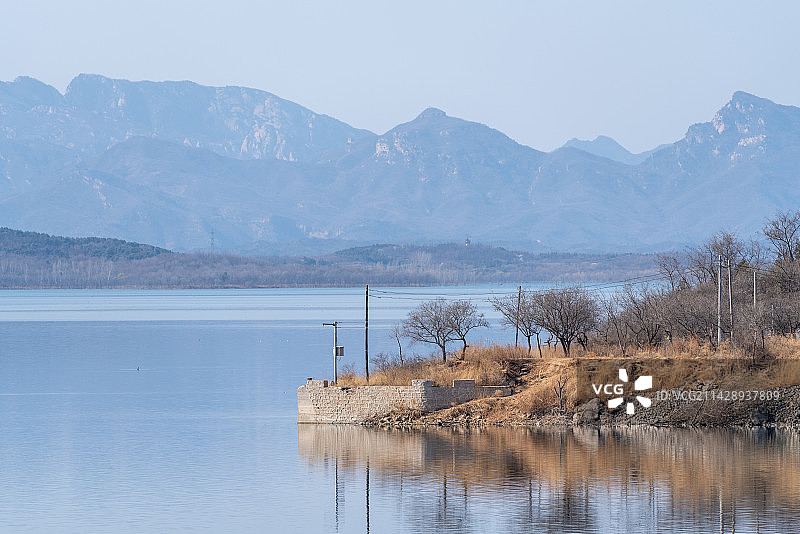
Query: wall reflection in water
{"x": 533, "y": 480}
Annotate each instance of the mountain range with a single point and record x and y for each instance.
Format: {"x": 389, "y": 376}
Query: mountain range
{"x": 607, "y": 147}
{"x": 189, "y": 167}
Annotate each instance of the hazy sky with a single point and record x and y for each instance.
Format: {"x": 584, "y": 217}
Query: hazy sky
{"x": 542, "y": 72}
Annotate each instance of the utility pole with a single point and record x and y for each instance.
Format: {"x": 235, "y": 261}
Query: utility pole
{"x": 366, "y": 492}
{"x": 366, "y": 332}
{"x": 335, "y": 325}
{"x": 754, "y": 289}
{"x": 719, "y": 300}
{"x": 730, "y": 298}
{"x": 516, "y": 319}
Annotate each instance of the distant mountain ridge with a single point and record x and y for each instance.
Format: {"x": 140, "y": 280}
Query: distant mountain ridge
{"x": 97, "y": 112}
{"x": 181, "y": 166}
{"x": 607, "y": 147}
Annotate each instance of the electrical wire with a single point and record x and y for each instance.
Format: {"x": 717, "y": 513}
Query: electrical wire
{"x": 481, "y": 295}
{"x": 598, "y": 287}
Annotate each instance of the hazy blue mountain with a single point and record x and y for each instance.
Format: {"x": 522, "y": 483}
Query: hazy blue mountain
{"x": 607, "y": 147}
{"x": 434, "y": 176}
{"x": 734, "y": 171}
{"x": 173, "y": 163}
{"x": 97, "y": 112}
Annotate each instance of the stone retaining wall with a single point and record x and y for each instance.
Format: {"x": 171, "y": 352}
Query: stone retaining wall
{"x": 319, "y": 402}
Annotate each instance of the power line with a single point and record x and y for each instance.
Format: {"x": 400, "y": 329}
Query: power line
{"x": 481, "y": 295}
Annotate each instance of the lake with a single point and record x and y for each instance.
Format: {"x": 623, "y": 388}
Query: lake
{"x": 161, "y": 411}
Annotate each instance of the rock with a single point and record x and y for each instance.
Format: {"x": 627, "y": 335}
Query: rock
{"x": 758, "y": 418}
{"x": 588, "y": 413}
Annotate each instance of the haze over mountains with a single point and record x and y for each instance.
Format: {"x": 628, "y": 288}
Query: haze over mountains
{"x": 607, "y": 147}
{"x": 171, "y": 163}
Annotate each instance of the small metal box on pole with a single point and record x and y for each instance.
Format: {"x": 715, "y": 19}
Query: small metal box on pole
{"x": 338, "y": 352}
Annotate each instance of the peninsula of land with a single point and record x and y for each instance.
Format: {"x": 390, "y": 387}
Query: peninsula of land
{"x": 692, "y": 385}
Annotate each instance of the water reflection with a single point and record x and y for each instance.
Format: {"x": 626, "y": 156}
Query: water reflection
{"x": 574, "y": 480}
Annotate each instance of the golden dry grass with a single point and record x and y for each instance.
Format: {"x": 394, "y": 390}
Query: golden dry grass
{"x": 539, "y": 393}
{"x": 783, "y": 347}
{"x": 683, "y": 363}
{"x": 485, "y": 365}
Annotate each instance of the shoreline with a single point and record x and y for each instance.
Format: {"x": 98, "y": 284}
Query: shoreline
{"x": 685, "y": 384}
{"x": 686, "y": 389}
{"x": 783, "y": 413}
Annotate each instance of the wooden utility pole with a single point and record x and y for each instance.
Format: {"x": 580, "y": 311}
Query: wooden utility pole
{"x": 335, "y": 325}
{"x": 730, "y": 298}
{"x": 366, "y": 491}
{"x": 516, "y": 319}
{"x": 719, "y": 300}
{"x": 366, "y": 332}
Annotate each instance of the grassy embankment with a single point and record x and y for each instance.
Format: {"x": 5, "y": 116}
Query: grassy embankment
{"x": 682, "y": 364}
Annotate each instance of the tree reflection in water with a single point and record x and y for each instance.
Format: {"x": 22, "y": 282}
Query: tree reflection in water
{"x": 554, "y": 480}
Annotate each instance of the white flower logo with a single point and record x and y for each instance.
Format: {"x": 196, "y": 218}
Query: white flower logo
{"x": 641, "y": 383}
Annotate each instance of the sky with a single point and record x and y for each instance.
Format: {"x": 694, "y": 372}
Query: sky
{"x": 541, "y": 72}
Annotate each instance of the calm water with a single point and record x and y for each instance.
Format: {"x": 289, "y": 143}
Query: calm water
{"x": 202, "y": 437}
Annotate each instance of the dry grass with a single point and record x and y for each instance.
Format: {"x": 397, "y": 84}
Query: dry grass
{"x": 539, "y": 395}
{"x": 485, "y": 365}
{"x": 777, "y": 347}
{"x": 681, "y": 364}
{"x": 783, "y": 347}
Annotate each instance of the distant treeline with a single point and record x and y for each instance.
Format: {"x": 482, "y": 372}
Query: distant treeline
{"x": 33, "y": 260}
{"x": 452, "y": 263}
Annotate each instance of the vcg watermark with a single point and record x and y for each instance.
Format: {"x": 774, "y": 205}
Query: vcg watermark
{"x": 618, "y": 389}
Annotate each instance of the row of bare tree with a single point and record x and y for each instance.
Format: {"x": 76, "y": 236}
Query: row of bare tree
{"x": 724, "y": 289}
{"x": 569, "y": 314}
{"x": 440, "y": 321}
{"x": 727, "y": 288}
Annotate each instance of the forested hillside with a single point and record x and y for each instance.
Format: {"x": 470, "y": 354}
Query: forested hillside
{"x": 48, "y": 246}
{"x": 33, "y": 260}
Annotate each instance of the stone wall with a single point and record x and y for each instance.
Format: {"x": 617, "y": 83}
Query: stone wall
{"x": 319, "y": 402}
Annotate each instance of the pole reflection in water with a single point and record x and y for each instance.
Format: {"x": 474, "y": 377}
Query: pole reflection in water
{"x": 583, "y": 480}
{"x": 336, "y": 491}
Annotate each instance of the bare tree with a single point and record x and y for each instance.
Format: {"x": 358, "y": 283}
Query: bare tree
{"x": 559, "y": 390}
{"x": 691, "y": 312}
{"x": 670, "y": 266}
{"x": 429, "y": 323}
{"x": 754, "y": 325}
{"x": 397, "y": 335}
{"x": 741, "y": 255}
{"x": 785, "y": 314}
{"x": 519, "y": 311}
{"x": 612, "y": 327}
{"x": 568, "y": 313}
{"x": 462, "y": 316}
{"x": 642, "y": 314}
{"x": 783, "y": 232}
